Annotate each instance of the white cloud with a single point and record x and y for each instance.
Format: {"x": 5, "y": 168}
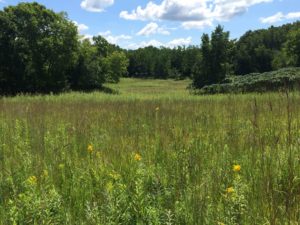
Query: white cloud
{"x": 96, "y": 5}
{"x": 293, "y": 15}
{"x": 143, "y": 44}
{"x": 273, "y": 19}
{"x": 179, "y": 42}
{"x": 176, "y": 10}
{"x": 152, "y": 28}
{"x": 227, "y": 9}
{"x": 280, "y": 17}
{"x": 81, "y": 27}
{"x": 171, "y": 44}
{"x": 197, "y": 24}
{"x": 192, "y": 13}
{"x": 114, "y": 39}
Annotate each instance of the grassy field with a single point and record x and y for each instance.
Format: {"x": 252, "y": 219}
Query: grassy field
{"x": 152, "y": 154}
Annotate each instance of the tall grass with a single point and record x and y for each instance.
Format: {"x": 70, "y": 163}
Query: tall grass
{"x": 153, "y": 154}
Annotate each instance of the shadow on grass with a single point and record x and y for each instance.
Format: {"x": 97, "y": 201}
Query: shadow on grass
{"x": 103, "y": 89}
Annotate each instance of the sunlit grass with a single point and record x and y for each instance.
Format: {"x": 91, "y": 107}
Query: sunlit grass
{"x": 151, "y": 154}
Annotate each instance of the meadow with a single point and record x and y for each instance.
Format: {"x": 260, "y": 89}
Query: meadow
{"x": 151, "y": 153}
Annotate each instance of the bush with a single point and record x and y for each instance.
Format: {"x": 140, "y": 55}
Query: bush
{"x": 288, "y": 79}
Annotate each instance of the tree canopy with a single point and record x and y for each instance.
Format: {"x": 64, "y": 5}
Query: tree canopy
{"x": 41, "y": 51}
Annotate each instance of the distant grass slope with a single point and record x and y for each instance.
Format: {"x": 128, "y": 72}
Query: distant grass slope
{"x": 287, "y": 78}
{"x": 150, "y": 87}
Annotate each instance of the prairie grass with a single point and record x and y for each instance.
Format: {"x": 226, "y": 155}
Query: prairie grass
{"x": 152, "y": 154}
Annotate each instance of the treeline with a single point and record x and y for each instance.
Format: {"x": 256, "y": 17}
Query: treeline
{"x": 218, "y": 56}
{"x": 152, "y": 62}
{"x": 41, "y": 51}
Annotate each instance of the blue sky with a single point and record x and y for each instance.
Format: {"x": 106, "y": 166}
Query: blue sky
{"x": 138, "y": 23}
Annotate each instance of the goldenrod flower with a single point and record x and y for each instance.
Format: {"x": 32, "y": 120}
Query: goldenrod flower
{"x": 229, "y": 190}
{"x": 32, "y": 180}
{"x": 236, "y": 168}
{"x": 137, "y": 157}
{"x": 90, "y": 148}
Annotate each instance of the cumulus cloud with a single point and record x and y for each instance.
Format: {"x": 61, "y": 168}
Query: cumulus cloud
{"x": 152, "y": 28}
{"x": 197, "y": 24}
{"x": 179, "y": 42}
{"x": 81, "y": 27}
{"x": 192, "y": 13}
{"x": 171, "y": 44}
{"x": 227, "y": 9}
{"x": 96, "y": 5}
{"x": 114, "y": 39}
{"x": 176, "y": 10}
{"x": 280, "y": 17}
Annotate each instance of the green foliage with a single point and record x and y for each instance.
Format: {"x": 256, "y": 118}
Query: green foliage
{"x": 34, "y": 207}
{"x": 162, "y": 63}
{"x": 215, "y": 59}
{"x": 41, "y": 51}
{"x": 150, "y": 155}
{"x": 117, "y": 64}
{"x": 37, "y": 49}
{"x": 293, "y": 46}
{"x": 257, "y": 51}
{"x": 88, "y": 73}
{"x": 283, "y": 79}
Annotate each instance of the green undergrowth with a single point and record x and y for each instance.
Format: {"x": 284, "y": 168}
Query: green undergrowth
{"x": 152, "y": 156}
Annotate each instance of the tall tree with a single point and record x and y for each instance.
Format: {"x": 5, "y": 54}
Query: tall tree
{"x": 116, "y": 66}
{"x": 37, "y": 49}
{"x": 88, "y": 73}
{"x": 219, "y": 54}
{"x": 293, "y": 46}
{"x": 202, "y": 69}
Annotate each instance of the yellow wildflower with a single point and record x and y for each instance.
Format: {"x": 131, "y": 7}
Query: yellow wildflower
{"x": 230, "y": 190}
{"x": 137, "y": 157}
{"x": 220, "y": 223}
{"x": 32, "y": 180}
{"x": 90, "y": 148}
{"x": 236, "y": 168}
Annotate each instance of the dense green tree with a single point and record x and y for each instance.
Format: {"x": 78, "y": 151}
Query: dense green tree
{"x": 261, "y": 50}
{"x": 215, "y": 59}
{"x": 104, "y": 47}
{"x": 116, "y": 66}
{"x": 202, "y": 69}
{"x": 292, "y": 46}
{"x": 88, "y": 73}
{"x": 41, "y": 51}
{"x": 37, "y": 49}
{"x": 218, "y": 55}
